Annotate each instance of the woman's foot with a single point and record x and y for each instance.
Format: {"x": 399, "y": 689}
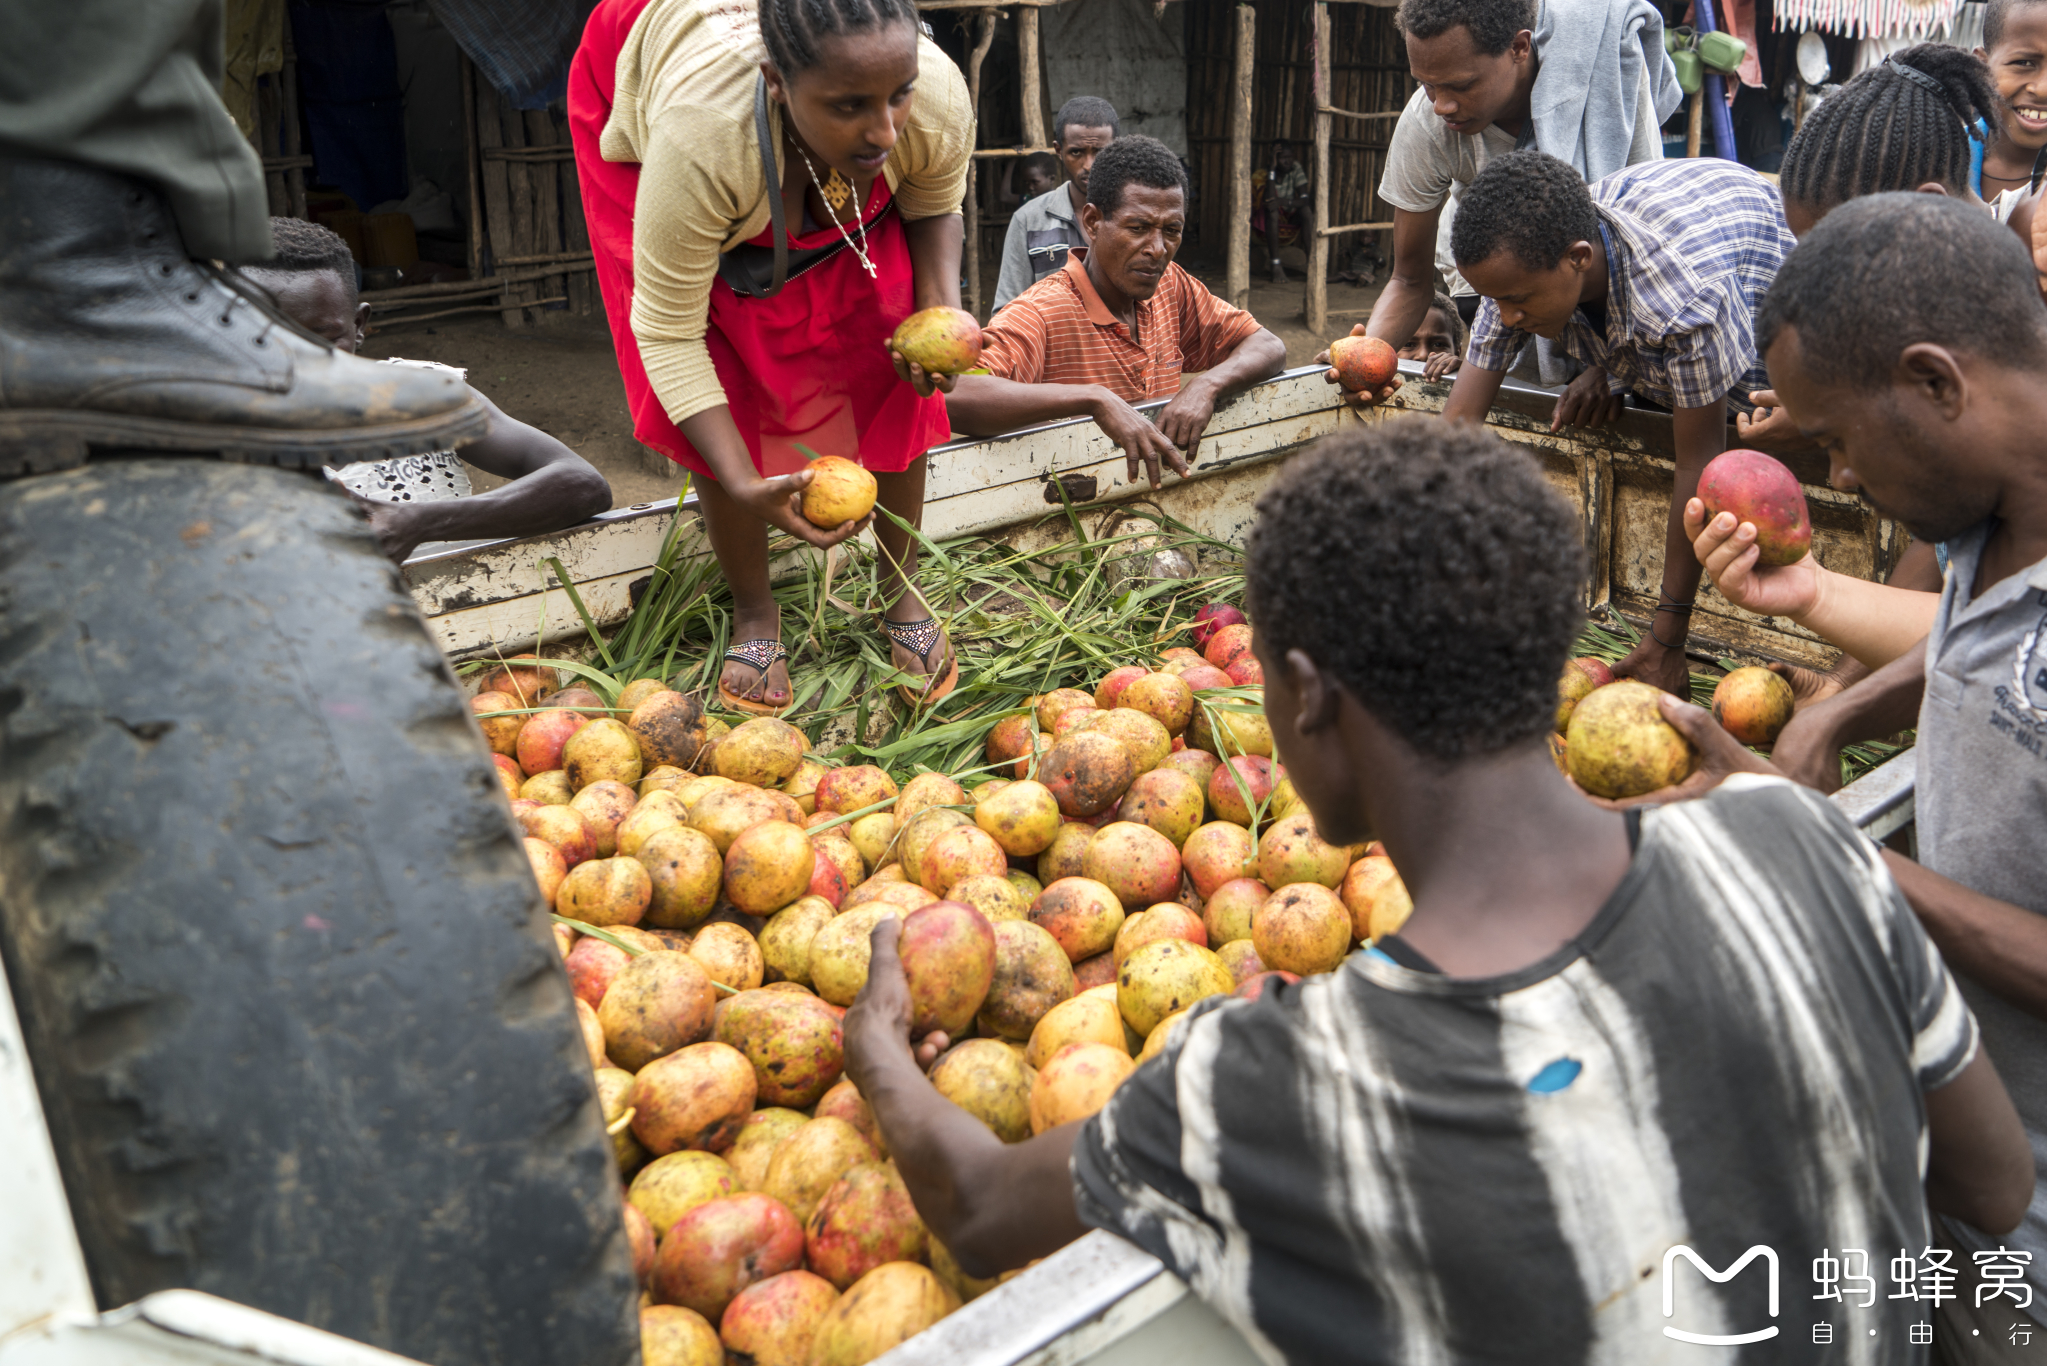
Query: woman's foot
{"x": 744, "y": 681}
{"x": 929, "y": 653}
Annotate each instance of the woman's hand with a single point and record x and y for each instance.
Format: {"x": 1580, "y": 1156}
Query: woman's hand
{"x": 1586, "y": 402}
{"x": 1728, "y": 551}
{"x": 1358, "y": 399}
{"x": 779, "y": 503}
{"x": 917, "y": 377}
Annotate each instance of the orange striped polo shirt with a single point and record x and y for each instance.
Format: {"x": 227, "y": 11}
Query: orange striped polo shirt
{"x": 1059, "y": 332}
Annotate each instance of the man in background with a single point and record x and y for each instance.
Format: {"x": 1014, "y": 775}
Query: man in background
{"x": 1044, "y": 229}
{"x": 1584, "y": 80}
{"x": 1119, "y": 325}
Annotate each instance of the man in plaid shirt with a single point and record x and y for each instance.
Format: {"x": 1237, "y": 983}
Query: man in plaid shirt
{"x": 1652, "y": 277}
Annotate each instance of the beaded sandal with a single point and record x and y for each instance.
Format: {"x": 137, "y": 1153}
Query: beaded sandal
{"x": 763, "y": 655}
{"x": 920, "y": 638}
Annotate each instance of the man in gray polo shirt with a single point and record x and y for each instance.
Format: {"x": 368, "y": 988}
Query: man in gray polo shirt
{"x": 1042, "y": 229}
{"x": 1906, "y": 335}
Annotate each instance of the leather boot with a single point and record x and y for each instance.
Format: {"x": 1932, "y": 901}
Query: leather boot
{"x": 111, "y": 338}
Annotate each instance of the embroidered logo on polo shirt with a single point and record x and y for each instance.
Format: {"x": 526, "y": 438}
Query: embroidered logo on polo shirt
{"x": 2029, "y": 669}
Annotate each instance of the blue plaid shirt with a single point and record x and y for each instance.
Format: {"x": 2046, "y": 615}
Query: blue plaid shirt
{"x": 1691, "y": 248}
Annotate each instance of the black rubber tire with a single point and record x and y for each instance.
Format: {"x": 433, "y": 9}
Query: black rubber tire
{"x": 295, "y": 1011}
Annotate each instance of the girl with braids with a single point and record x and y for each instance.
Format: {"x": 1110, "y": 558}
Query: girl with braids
{"x": 770, "y": 191}
{"x": 1912, "y": 123}
{"x": 1915, "y": 123}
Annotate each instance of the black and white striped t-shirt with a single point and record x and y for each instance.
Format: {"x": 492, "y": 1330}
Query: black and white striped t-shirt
{"x": 1390, "y": 1165}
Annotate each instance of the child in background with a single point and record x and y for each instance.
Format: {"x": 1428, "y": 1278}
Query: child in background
{"x": 424, "y": 499}
{"x": 1439, "y": 340}
{"x": 1039, "y": 173}
{"x": 2015, "y": 49}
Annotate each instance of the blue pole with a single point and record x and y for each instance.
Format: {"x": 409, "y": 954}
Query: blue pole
{"x": 1715, "y": 91}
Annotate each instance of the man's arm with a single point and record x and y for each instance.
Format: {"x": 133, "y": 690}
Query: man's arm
{"x": 989, "y": 405}
{"x": 2000, "y": 945}
{"x": 1473, "y": 392}
{"x": 1411, "y": 288}
{"x": 1697, "y": 435}
{"x": 996, "y": 1206}
{"x": 551, "y": 487}
{"x": 1259, "y": 356}
{"x": 1979, "y": 1166}
{"x": 1873, "y": 622}
{"x": 1886, "y": 702}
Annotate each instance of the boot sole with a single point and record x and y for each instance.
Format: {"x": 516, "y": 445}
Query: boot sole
{"x": 43, "y": 441}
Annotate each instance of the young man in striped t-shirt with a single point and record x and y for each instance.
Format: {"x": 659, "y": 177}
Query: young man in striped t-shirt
{"x": 1601, "y": 1048}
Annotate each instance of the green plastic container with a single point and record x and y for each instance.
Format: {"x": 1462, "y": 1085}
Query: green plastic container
{"x": 1722, "y": 52}
{"x": 1691, "y": 72}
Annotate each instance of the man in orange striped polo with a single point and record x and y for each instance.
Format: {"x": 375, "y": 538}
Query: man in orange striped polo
{"x": 1119, "y": 325}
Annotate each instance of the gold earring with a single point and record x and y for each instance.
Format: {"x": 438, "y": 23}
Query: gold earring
{"x": 837, "y": 190}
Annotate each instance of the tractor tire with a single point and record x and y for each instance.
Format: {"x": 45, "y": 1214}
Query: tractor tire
{"x": 291, "y": 996}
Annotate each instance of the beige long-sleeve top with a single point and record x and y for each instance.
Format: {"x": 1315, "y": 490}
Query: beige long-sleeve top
{"x": 684, "y": 111}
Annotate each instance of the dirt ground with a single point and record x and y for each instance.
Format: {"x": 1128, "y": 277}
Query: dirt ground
{"x": 562, "y": 376}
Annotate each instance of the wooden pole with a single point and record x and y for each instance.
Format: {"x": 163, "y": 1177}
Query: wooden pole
{"x": 1693, "y": 121}
{"x": 973, "y": 205}
{"x": 1317, "y": 301}
{"x": 1239, "y": 281}
{"x": 469, "y": 155}
{"x": 295, "y": 177}
{"x": 1029, "y": 63}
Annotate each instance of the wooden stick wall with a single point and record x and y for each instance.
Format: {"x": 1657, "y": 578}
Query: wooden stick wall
{"x": 1368, "y": 72}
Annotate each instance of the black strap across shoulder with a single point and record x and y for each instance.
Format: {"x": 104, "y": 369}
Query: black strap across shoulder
{"x": 760, "y": 272}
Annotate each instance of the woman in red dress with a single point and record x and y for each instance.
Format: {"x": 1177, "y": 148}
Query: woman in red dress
{"x": 770, "y": 190}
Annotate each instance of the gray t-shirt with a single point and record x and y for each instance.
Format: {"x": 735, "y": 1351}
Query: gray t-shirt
{"x": 1039, "y": 235}
{"x": 1427, "y": 164}
{"x": 1982, "y": 813}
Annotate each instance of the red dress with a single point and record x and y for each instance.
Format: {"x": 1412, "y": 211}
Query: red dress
{"x": 808, "y": 365}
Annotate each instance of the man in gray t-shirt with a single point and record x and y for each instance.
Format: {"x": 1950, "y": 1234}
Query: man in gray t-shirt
{"x": 1043, "y": 229}
{"x": 1586, "y": 81}
{"x": 1906, "y": 336}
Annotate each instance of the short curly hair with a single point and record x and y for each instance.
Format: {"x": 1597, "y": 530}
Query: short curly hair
{"x": 1888, "y": 271}
{"x": 1493, "y": 23}
{"x": 1085, "y": 111}
{"x": 1996, "y": 15}
{"x": 1431, "y": 570}
{"x": 303, "y": 247}
{"x": 1133, "y": 160}
{"x": 1528, "y": 203}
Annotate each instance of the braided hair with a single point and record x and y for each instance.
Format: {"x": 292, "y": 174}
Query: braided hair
{"x": 793, "y": 29}
{"x": 1894, "y": 127}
